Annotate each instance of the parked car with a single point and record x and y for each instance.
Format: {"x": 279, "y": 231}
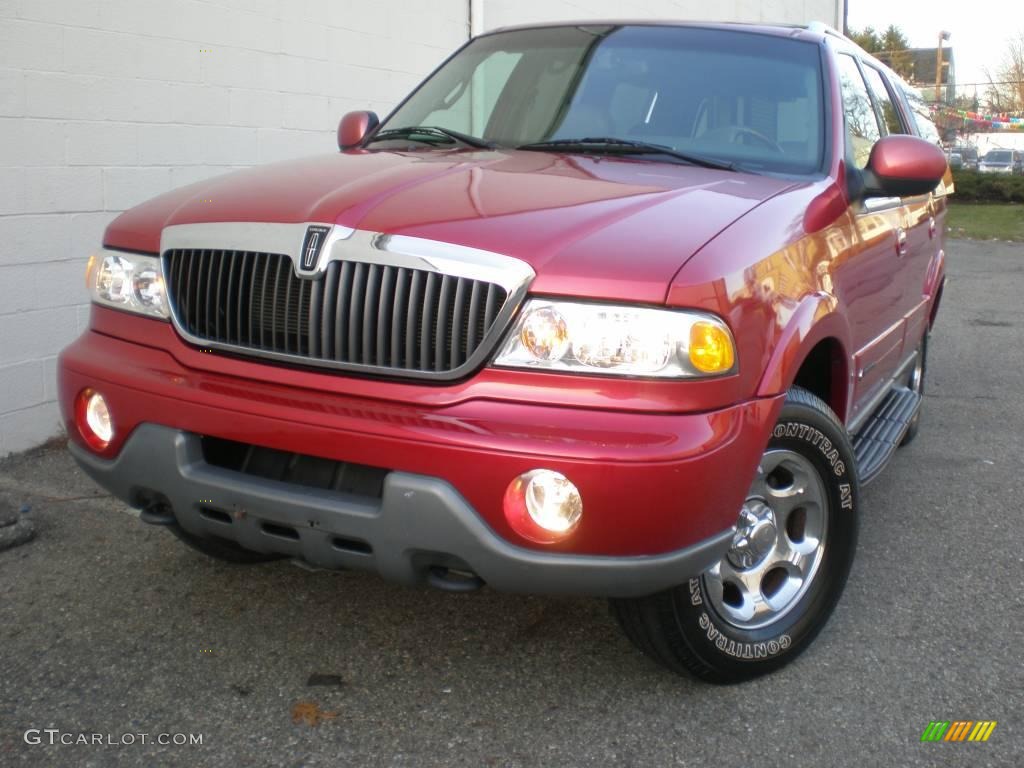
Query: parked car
{"x": 1002, "y": 161}
{"x": 630, "y": 310}
{"x": 963, "y": 157}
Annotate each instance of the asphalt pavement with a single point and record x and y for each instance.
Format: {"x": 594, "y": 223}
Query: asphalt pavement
{"x": 111, "y": 627}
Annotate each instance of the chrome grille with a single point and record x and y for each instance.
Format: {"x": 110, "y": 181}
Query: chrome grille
{"x": 353, "y": 314}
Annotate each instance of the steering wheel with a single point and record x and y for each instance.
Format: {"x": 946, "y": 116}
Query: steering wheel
{"x": 733, "y": 134}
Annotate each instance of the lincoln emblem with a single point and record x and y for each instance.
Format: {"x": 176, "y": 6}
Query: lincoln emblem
{"x": 311, "y": 245}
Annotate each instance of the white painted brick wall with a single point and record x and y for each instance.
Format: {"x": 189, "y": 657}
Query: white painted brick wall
{"x": 105, "y": 103}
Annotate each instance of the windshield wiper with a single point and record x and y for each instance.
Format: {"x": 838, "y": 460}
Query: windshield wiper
{"x": 418, "y": 132}
{"x": 626, "y": 146}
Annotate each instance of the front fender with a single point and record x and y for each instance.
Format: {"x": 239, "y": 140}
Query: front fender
{"x": 814, "y": 320}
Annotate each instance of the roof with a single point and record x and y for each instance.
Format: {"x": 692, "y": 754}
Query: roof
{"x": 813, "y": 31}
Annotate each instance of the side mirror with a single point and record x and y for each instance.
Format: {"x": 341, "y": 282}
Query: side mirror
{"x": 903, "y": 166}
{"x": 354, "y": 127}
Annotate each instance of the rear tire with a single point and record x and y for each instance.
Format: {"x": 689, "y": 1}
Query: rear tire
{"x": 915, "y": 381}
{"x": 222, "y": 549}
{"x": 772, "y": 592}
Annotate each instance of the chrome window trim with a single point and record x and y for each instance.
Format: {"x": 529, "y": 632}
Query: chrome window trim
{"x": 347, "y": 244}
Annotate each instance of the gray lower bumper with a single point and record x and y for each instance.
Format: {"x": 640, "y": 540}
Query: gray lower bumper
{"x": 419, "y": 522}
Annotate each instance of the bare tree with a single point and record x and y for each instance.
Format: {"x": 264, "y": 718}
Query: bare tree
{"x": 1005, "y": 91}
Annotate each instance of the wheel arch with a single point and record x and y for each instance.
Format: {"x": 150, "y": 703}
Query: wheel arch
{"x": 813, "y": 352}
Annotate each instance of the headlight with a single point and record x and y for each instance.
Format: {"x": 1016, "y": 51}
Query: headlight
{"x": 127, "y": 281}
{"x": 618, "y": 340}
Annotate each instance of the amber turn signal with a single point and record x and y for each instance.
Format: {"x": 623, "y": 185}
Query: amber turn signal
{"x": 90, "y": 272}
{"x": 711, "y": 349}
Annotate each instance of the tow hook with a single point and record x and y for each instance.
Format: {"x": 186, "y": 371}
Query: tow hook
{"x": 451, "y": 580}
{"x": 158, "y": 513}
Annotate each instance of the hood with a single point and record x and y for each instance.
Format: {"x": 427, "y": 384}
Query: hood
{"x": 615, "y": 228}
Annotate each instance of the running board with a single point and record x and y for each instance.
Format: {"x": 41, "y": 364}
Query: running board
{"x": 880, "y": 436}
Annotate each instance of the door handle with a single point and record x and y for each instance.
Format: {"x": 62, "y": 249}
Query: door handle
{"x": 901, "y": 241}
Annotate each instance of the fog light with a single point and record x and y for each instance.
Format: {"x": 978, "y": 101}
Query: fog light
{"x": 543, "y": 505}
{"x": 93, "y": 418}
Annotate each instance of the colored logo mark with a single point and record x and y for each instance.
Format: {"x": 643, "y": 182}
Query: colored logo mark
{"x": 958, "y": 730}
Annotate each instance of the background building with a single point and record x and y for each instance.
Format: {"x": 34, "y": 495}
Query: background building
{"x": 918, "y": 66}
{"x": 104, "y": 103}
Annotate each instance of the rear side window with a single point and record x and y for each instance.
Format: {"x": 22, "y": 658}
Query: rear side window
{"x": 921, "y": 116}
{"x": 862, "y": 129}
{"x": 890, "y": 116}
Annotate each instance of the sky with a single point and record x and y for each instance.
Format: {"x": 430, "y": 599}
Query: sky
{"x": 980, "y": 28}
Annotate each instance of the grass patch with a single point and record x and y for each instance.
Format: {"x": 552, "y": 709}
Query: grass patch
{"x": 986, "y": 221}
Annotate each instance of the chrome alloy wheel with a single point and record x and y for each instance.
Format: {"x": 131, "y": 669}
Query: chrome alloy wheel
{"x": 778, "y": 544}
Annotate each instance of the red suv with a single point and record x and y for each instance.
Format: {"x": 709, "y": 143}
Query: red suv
{"x": 629, "y": 310}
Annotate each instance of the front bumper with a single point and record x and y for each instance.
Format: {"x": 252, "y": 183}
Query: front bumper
{"x": 660, "y": 490}
{"x": 419, "y": 527}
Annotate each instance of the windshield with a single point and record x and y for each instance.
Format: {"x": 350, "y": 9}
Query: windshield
{"x": 750, "y": 99}
{"x": 997, "y": 157}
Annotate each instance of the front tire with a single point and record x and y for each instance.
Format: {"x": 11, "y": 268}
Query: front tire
{"x": 763, "y": 603}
